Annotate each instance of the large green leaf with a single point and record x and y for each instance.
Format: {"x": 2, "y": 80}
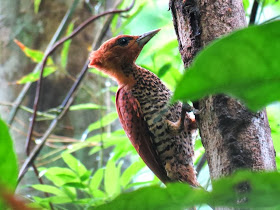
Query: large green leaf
{"x": 244, "y": 189}
{"x": 8, "y": 163}
{"x": 243, "y": 64}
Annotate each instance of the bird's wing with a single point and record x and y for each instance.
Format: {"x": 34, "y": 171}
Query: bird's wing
{"x": 136, "y": 129}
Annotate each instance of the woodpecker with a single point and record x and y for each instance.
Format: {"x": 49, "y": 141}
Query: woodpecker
{"x": 160, "y": 132}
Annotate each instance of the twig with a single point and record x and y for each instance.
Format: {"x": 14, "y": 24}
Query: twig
{"x": 271, "y": 19}
{"x": 35, "y": 152}
{"x": 56, "y": 36}
{"x": 68, "y": 99}
{"x": 201, "y": 163}
{"x": 25, "y": 108}
{"x": 254, "y": 11}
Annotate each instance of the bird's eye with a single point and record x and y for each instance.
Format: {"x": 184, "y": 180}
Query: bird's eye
{"x": 123, "y": 41}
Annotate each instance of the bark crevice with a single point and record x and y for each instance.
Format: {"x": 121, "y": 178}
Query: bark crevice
{"x": 186, "y": 20}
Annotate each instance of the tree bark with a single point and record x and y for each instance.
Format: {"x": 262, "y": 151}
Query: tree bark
{"x": 233, "y": 137}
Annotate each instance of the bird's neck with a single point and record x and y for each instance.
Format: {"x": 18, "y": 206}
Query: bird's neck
{"x": 125, "y": 75}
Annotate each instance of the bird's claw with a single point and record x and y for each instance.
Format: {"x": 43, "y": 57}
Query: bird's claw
{"x": 189, "y": 108}
{"x": 175, "y": 127}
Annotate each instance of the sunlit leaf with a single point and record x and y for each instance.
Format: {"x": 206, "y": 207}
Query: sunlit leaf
{"x": 48, "y": 189}
{"x": 270, "y": 2}
{"x": 74, "y": 164}
{"x": 128, "y": 20}
{"x": 70, "y": 192}
{"x": 96, "y": 179}
{"x": 60, "y": 176}
{"x": 59, "y": 199}
{"x": 85, "y": 106}
{"x": 104, "y": 121}
{"x": 108, "y": 140}
{"x": 34, "y": 76}
{"x": 130, "y": 172}
{"x": 273, "y": 114}
{"x": 243, "y": 64}
{"x": 99, "y": 194}
{"x": 246, "y": 4}
{"x": 112, "y": 178}
{"x": 36, "y": 6}
{"x": 35, "y": 55}
{"x": 66, "y": 46}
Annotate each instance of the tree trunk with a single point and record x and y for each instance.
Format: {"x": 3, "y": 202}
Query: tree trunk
{"x": 233, "y": 137}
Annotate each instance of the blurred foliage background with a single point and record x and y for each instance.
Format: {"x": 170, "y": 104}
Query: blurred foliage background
{"x": 88, "y": 160}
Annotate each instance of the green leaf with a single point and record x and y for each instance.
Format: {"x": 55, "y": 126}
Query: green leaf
{"x": 175, "y": 196}
{"x": 273, "y": 114}
{"x": 270, "y": 3}
{"x": 112, "y": 179}
{"x": 35, "y": 55}
{"x": 130, "y": 172}
{"x": 48, "y": 189}
{"x": 108, "y": 140}
{"x": 246, "y": 4}
{"x": 98, "y": 194}
{"x": 104, "y": 121}
{"x": 61, "y": 176}
{"x": 34, "y": 76}
{"x": 162, "y": 71}
{"x": 36, "y": 6}
{"x": 8, "y": 163}
{"x": 70, "y": 192}
{"x": 96, "y": 179}
{"x": 58, "y": 199}
{"x": 243, "y": 190}
{"x": 66, "y": 46}
{"x": 74, "y": 164}
{"x": 85, "y": 106}
{"x": 243, "y": 64}
{"x": 128, "y": 20}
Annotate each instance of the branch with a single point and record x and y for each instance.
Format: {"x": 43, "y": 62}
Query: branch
{"x": 201, "y": 163}
{"x": 254, "y": 11}
{"x": 70, "y": 96}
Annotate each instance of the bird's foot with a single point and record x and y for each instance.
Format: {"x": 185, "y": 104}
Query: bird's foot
{"x": 175, "y": 127}
{"x": 188, "y": 108}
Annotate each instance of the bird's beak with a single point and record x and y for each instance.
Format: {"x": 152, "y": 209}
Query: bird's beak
{"x": 144, "y": 38}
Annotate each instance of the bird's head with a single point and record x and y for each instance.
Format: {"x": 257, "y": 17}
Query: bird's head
{"x": 117, "y": 54}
